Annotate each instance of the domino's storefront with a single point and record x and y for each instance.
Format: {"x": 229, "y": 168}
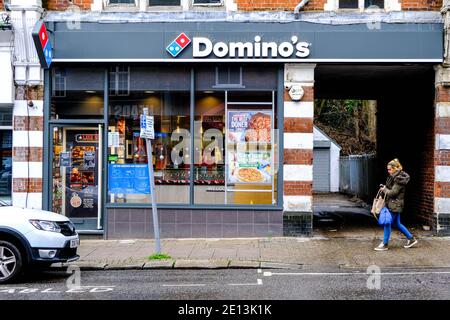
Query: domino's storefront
{"x": 233, "y": 114}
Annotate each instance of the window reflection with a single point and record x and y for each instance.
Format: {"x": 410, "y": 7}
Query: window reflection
{"x": 170, "y": 148}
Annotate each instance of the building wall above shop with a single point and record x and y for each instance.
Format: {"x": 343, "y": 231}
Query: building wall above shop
{"x": 140, "y": 5}
{"x": 245, "y": 5}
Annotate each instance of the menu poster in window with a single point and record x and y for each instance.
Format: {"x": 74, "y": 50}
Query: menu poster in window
{"x": 249, "y": 167}
{"x": 64, "y": 159}
{"x": 249, "y": 164}
{"x": 249, "y": 126}
{"x": 89, "y": 159}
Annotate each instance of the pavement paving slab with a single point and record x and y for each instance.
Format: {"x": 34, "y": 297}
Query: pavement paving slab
{"x": 159, "y": 264}
{"x": 201, "y": 264}
{"x": 314, "y": 251}
{"x": 119, "y": 266}
{"x": 244, "y": 264}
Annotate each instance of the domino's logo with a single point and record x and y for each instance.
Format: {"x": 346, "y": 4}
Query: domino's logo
{"x": 178, "y": 45}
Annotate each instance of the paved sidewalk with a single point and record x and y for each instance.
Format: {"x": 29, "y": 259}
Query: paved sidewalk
{"x": 352, "y": 250}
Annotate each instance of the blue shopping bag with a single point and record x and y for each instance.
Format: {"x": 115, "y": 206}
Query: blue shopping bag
{"x": 385, "y": 217}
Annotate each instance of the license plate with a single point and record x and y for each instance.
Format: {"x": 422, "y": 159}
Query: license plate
{"x": 74, "y": 243}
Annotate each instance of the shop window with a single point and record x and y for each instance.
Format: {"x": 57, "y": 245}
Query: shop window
{"x": 6, "y": 116}
{"x": 217, "y": 2}
{"x": 229, "y": 76}
{"x": 256, "y": 77}
{"x": 164, "y": 2}
{"x": 59, "y": 83}
{"x": 121, "y": 2}
{"x": 235, "y": 139}
{"x": 366, "y": 4}
{"x": 119, "y": 81}
{"x": 377, "y": 4}
{"x": 77, "y": 93}
{"x": 348, "y": 4}
{"x": 5, "y": 165}
{"x": 165, "y": 93}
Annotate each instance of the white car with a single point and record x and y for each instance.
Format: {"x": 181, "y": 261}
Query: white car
{"x": 34, "y": 238}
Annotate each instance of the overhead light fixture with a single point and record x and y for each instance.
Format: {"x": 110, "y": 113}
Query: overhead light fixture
{"x": 149, "y": 91}
{"x": 90, "y": 91}
{"x": 208, "y": 91}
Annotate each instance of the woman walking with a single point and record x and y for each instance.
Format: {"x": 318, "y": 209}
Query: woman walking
{"x": 395, "y": 201}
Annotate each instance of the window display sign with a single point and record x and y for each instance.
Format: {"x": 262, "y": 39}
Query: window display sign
{"x": 113, "y": 139}
{"x": 89, "y": 159}
{"x": 249, "y": 126}
{"x": 64, "y": 159}
{"x": 86, "y": 138}
{"x": 249, "y": 152}
{"x": 81, "y": 180}
{"x": 128, "y": 179}
{"x": 249, "y": 167}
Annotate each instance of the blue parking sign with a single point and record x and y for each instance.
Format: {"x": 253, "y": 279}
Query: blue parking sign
{"x": 143, "y": 122}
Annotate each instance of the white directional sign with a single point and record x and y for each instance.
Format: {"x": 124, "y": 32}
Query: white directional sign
{"x": 147, "y": 127}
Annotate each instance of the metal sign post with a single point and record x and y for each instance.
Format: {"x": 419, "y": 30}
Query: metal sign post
{"x": 147, "y": 132}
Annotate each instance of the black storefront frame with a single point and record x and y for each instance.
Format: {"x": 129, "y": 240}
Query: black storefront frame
{"x": 48, "y": 144}
{"x": 48, "y": 123}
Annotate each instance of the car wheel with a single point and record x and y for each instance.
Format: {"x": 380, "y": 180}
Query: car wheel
{"x": 10, "y": 261}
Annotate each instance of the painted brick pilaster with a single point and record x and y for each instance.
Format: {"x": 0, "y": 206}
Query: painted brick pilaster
{"x": 441, "y": 206}
{"x": 298, "y": 150}
{"x": 27, "y": 150}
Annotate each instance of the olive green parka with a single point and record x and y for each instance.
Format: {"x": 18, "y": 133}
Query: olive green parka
{"x": 395, "y": 191}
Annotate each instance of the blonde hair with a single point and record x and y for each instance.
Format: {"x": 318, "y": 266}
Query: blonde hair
{"x": 395, "y": 164}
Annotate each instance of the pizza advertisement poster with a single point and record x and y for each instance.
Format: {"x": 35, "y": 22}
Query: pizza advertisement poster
{"x": 249, "y": 167}
{"x": 249, "y": 126}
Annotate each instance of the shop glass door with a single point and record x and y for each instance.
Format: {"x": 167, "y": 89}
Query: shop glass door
{"x": 76, "y": 174}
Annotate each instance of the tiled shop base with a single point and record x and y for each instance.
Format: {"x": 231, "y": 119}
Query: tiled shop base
{"x": 138, "y": 223}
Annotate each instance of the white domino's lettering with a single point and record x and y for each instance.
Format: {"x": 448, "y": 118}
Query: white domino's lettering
{"x": 203, "y": 47}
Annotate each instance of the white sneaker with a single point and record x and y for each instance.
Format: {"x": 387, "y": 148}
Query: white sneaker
{"x": 381, "y": 247}
{"x": 411, "y": 242}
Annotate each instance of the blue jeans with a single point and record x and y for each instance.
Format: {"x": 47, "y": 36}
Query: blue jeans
{"x": 396, "y": 222}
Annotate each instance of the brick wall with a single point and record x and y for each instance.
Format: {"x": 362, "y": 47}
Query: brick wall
{"x": 421, "y": 5}
{"x": 33, "y": 154}
{"x": 406, "y": 130}
{"x": 59, "y": 5}
{"x": 318, "y": 5}
{"x": 261, "y": 5}
{"x": 442, "y": 161}
{"x": 298, "y": 152}
{"x": 28, "y": 125}
{"x": 278, "y": 5}
{"x": 424, "y": 204}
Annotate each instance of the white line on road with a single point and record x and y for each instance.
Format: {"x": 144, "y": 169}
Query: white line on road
{"x": 96, "y": 287}
{"x": 269, "y": 274}
{"x": 184, "y": 285}
{"x": 258, "y": 283}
